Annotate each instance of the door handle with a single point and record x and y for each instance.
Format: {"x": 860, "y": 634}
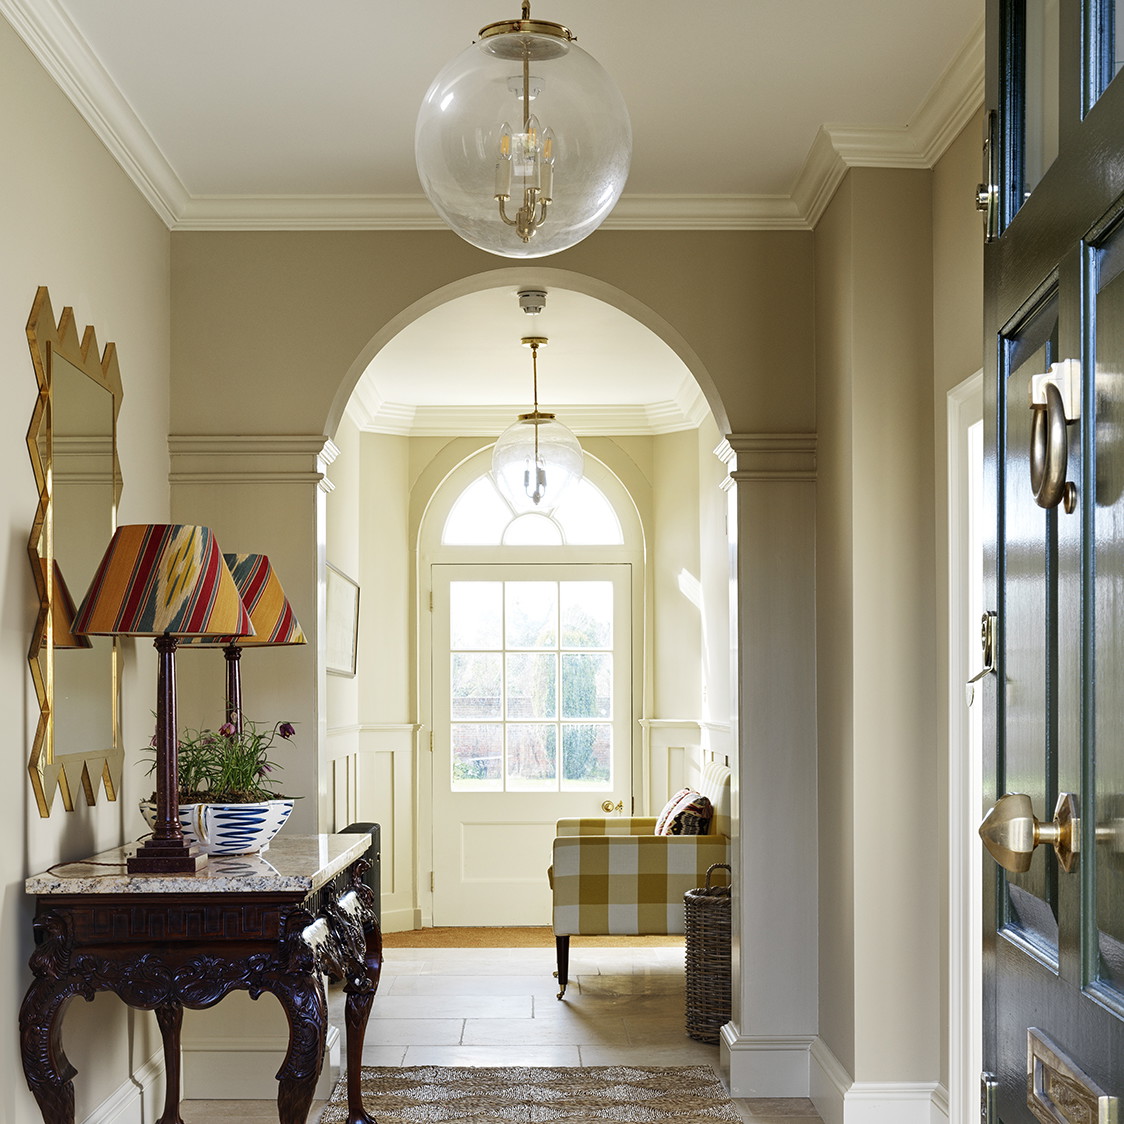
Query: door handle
{"x": 1010, "y": 832}
{"x": 1049, "y": 440}
{"x": 987, "y": 647}
{"x": 609, "y": 806}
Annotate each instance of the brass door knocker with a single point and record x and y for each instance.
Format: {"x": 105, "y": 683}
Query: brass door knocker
{"x": 1049, "y": 452}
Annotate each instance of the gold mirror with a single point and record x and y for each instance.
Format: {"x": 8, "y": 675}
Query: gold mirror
{"x": 72, "y": 440}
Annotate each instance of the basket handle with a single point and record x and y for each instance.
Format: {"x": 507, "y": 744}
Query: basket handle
{"x": 713, "y": 867}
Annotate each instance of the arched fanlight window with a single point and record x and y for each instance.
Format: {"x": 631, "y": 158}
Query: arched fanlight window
{"x": 482, "y": 517}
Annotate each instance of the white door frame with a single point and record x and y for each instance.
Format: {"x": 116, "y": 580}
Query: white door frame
{"x": 965, "y": 766}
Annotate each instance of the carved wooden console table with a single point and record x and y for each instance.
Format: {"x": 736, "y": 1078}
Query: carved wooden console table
{"x": 259, "y": 923}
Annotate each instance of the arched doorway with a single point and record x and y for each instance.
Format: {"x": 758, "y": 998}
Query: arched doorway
{"x": 656, "y": 435}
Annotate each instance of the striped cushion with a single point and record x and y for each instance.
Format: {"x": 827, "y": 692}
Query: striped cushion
{"x": 687, "y": 813}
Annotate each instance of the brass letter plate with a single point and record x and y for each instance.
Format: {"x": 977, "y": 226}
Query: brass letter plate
{"x": 1058, "y": 1092}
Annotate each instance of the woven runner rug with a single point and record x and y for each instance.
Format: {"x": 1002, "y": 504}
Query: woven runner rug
{"x": 431, "y": 1094}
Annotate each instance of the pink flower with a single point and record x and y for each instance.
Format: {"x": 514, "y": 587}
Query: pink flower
{"x": 227, "y": 729}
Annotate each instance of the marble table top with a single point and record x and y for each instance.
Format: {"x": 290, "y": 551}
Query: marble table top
{"x": 292, "y": 863}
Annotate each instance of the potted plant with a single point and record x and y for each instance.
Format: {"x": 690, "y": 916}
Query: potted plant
{"x": 228, "y": 803}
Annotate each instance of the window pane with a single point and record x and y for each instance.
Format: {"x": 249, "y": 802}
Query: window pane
{"x": 532, "y": 756}
{"x": 586, "y": 685}
{"x": 475, "y": 685}
{"x": 532, "y": 530}
{"x": 587, "y": 517}
{"x": 587, "y": 614}
{"x": 478, "y": 517}
{"x": 1107, "y": 48}
{"x": 532, "y": 614}
{"x": 475, "y": 615}
{"x": 1107, "y": 802}
{"x": 477, "y": 756}
{"x": 531, "y": 685}
{"x": 587, "y": 755}
{"x": 1040, "y": 91}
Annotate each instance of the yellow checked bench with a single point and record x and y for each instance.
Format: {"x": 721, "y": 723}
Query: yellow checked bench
{"x": 616, "y": 876}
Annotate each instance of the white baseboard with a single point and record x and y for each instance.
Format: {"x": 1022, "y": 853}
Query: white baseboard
{"x": 400, "y": 920}
{"x": 233, "y": 1070}
{"x": 765, "y": 1066}
{"x": 244, "y": 1069}
{"x": 137, "y": 1100}
{"x": 839, "y": 1100}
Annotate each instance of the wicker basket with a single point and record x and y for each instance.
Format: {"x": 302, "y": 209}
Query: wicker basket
{"x": 706, "y": 923}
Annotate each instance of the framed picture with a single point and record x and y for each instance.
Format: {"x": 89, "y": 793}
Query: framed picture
{"x": 342, "y": 639}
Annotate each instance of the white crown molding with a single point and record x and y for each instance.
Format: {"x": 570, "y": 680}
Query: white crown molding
{"x": 950, "y": 105}
{"x": 372, "y": 414}
{"x": 414, "y": 212}
{"x": 66, "y": 57}
{"x": 491, "y": 420}
{"x": 54, "y": 40}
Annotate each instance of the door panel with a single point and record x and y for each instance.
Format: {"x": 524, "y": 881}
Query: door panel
{"x": 1053, "y": 1023}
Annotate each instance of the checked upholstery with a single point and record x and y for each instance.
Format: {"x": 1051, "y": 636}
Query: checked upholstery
{"x": 614, "y": 876}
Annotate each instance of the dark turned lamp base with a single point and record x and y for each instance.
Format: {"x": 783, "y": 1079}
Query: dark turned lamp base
{"x": 166, "y": 858}
{"x": 166, "y": 852}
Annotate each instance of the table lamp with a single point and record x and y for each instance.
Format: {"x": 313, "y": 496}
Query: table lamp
{"x": 165, "y": 581}
{"x": 271, "y": 615}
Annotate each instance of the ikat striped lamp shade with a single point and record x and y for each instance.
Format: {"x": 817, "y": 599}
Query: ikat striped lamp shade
{"x": 163, "y": 579}
{"x": 272, "y": 616}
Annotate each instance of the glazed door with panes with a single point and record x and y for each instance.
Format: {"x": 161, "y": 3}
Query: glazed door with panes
{"x": 1053, "y": 1018}
{"x": 532, "y": 722}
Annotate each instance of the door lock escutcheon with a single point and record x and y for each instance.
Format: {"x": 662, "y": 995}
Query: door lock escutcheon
{"x": 608, "y": 806}
{"x": 1010, "y": 832}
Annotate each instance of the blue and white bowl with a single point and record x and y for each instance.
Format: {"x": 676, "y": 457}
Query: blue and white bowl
{"x": 227, "y": 829}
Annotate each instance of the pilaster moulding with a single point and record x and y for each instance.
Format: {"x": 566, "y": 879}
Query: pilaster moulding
{"x": 251, "y": 459}
{"x": 770, "y": 456}
{"x": 839, "y": 1100}
{"x": 766, "y": 1065}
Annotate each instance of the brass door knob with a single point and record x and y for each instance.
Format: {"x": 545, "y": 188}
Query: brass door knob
{"x": 1010, "y": 832}
{"x": 609, "y": 806}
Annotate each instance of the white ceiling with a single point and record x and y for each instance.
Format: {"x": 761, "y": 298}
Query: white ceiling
{"x": 293, "y": 114}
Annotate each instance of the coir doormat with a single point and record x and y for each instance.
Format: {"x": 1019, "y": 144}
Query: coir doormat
{"x": 431, "y": 1094}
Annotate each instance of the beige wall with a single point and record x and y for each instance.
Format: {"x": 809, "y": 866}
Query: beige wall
{"x": 270, "y": 323}
{"x": 897, "y": 323}
{"x": 957, "y": 354}
{"x": 72, "y": 221}
{"x": 262, "y": 332}
{"x": 878, "y": 751}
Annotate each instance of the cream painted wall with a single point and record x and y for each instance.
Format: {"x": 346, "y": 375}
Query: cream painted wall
{"x": 834, "y": 611}
{"x": 677, "y": 632}
{"x": 877, "y": 653}
{"x": 289, "y": 313}
{"x": 72, "y": 221}
{"x": 957, "y": 354}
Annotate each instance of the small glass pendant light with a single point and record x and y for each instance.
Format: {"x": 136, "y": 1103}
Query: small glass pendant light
{"x": 536, "y": 460}
{"x": 523, "y": 142}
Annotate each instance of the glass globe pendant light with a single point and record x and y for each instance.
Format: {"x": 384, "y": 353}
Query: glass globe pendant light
{"x": 536, "y": 460}
{"x": 523, "y": 142}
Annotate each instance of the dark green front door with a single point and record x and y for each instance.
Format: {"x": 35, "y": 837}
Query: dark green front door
{"x": 1054, "y": 280}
